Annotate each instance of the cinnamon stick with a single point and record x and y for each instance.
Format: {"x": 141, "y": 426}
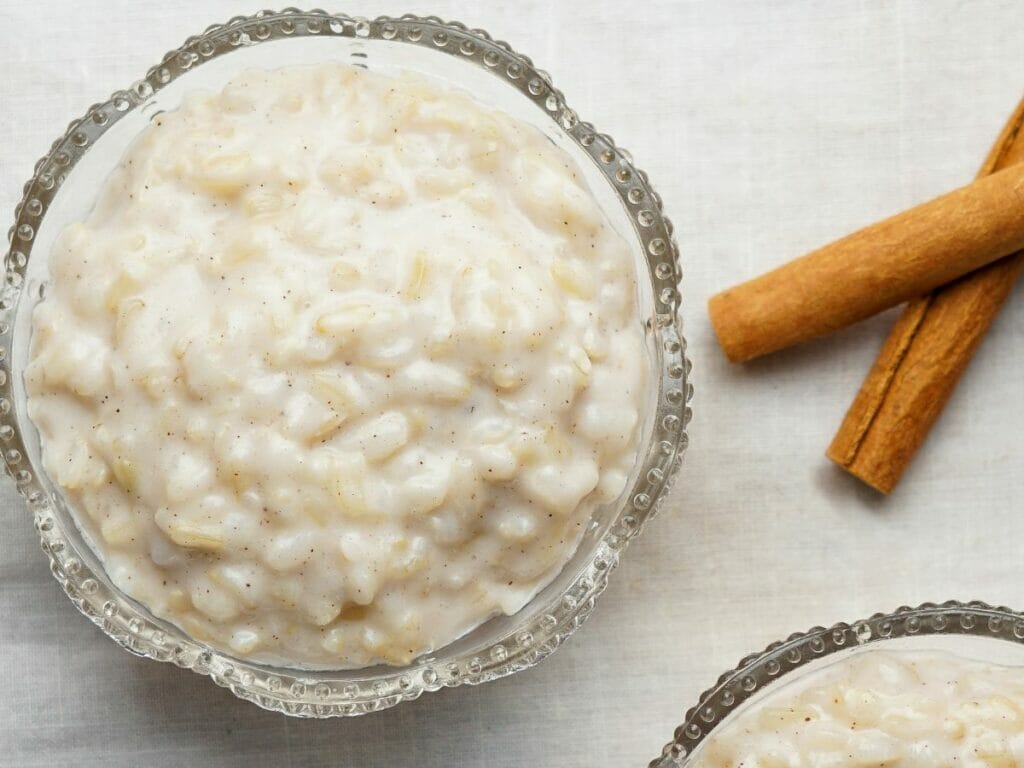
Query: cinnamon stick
{"x": 925, "y": 355}
{"x": 878, "y": 267}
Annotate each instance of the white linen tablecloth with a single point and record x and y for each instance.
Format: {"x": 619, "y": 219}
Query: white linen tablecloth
{"x": 769, "y": 129}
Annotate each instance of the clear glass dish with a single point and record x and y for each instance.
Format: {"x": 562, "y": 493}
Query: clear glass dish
{"x": 970, "y": 630}
{"x": 62, "y": 191}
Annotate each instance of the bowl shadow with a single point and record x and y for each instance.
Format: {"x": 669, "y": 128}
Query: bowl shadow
{"x": 210, "y": 723}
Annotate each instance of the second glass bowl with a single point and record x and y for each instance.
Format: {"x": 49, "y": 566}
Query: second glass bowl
{"x": 970, "y": 630}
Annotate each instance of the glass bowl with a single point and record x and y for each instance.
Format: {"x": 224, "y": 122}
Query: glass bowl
{"x": 62, "y": 191}
{"x": 972, "y": 630}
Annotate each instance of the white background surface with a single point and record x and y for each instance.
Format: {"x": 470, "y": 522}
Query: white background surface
{"x": 769, "y": 129}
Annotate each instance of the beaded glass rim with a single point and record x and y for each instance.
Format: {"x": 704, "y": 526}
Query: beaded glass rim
{"x": 337, "y": 693}
{"x": 759, "y": 670}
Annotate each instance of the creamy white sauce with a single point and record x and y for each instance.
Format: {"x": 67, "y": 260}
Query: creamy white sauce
{"x": 897, "y": 709}
{"x": 339, "y": 366}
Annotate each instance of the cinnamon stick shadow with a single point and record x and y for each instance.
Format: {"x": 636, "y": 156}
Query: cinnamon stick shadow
{"x": 807, "y": 356}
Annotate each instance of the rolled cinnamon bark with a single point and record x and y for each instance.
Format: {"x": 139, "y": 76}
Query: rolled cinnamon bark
{"x": 873, "y": 269}
{"x": 925, "y": 355}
